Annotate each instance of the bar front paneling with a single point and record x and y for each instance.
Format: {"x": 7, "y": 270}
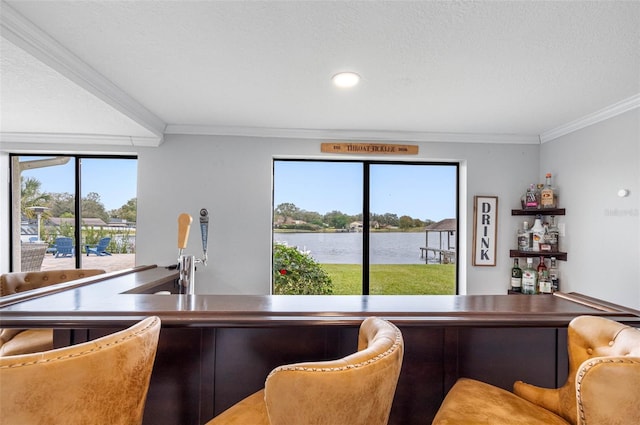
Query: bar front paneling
{"x": 216, "y": 349}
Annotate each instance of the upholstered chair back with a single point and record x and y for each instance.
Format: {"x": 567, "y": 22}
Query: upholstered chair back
{"x": 22, "y": 341}
{"x": 594, "y": 342}
{"x": 104, "y": 381}
{"x": 355, "y": 390}
{"x": 11, "y": 283}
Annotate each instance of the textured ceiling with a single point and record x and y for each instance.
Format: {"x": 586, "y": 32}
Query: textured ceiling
{"x": 483, "y": 67}
{"x": 37, "y": 99}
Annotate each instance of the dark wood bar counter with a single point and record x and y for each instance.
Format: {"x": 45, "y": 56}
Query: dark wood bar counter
{"x": 216, "y": 349}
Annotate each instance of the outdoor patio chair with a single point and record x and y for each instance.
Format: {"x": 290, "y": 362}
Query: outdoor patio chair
{"x": 100, "y": 249}
{"x": 31, "y": 255}
{"x": 64, "y": 247}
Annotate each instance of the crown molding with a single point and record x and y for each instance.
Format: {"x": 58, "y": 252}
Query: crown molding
{"x": 593, "y": 118}
{"x": 24, "y": 34}
{"x": 80, "y": 139}
{"x": 350, "y": 135}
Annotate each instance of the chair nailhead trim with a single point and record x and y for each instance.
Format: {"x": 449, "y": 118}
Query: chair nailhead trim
{"x": 391, "y": 349}
{"x": 588, "y": 365}
{"x": 82, "y": 353}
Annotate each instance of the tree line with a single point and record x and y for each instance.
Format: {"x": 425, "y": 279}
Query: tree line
{"x": 311, "y": 220}
{"x": 63, "y": 204}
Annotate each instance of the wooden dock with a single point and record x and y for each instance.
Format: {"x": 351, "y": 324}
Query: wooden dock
{"x": 446, "y": 256}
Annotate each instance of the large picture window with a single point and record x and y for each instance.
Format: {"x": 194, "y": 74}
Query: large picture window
{"x": 73, "y": 212}
{"x": 364, "y": 227}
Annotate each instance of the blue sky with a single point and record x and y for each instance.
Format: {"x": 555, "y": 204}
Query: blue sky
{"x": 114, "y": 179}
{"x": 419, "y": 191}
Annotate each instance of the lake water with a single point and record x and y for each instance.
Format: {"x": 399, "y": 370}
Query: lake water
{"x": 346, "y": 248}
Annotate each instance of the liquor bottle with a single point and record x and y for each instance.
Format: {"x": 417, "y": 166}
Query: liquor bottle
{"x": 529, "y": 278}
{"x": 554, "y": 275}
{"x": 542, "y": 267}
{"x": 548, "y": 194}
{"x": 516, "y": 277}
{"x": 537, "y": 234}
{"x": 530, "y": 198}
{"x": 539, "y": 187}
{"x": 553, "y": 234}
{"x": 544, "y": 283}
{"x": 545, "y": 244}
{"x": 524, "y": 237}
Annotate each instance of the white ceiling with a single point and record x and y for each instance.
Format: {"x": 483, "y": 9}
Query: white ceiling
{"x": 110, "y": 71}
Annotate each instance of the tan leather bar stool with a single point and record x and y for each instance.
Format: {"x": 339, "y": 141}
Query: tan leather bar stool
{"x": 104, "y": 381}
{"x": 22, "y": 341}
{"x": 356, "y": 390}
{"x": 603, "y": 386}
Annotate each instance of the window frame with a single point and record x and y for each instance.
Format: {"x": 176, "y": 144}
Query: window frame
{"x": 366, "y": 213}
{"x": 77, "y": 158}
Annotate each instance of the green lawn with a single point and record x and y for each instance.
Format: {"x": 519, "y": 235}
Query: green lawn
{"x": 394, "y": 279}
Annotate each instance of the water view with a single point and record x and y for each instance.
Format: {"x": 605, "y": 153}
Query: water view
{"x": 346, "y": 248}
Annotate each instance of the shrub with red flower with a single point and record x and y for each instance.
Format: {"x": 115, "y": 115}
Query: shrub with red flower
{"x": 295, "y": 273}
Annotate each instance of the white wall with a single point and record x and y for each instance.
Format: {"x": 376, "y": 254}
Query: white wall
{"x": 603, "y": 230}
{"x": 231, "y": 177}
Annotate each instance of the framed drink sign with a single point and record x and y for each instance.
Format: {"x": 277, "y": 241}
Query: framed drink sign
{"x": 485, "y": 228}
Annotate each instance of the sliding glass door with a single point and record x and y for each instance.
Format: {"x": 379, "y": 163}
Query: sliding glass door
{"x": 364, "y": 227}
{"x": 73, "y": 212}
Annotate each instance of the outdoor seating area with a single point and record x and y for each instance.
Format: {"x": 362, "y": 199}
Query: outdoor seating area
{"x": 108, "y": 263}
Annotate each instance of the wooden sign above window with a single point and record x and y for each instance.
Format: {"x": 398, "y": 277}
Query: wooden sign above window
{"x": 369, "y": 148}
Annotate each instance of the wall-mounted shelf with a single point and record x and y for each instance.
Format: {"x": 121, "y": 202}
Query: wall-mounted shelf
{"x": 561, "y": 256}
{"x": 514, "y": 253}
{"x": 541, "y": 211}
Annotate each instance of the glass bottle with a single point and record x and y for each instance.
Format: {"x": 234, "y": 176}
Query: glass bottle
{"x": 554, "y": 275}
{"x": 542, "y": 267}
{"x": 545, "y": 244}
{"x": 530, "y": 199}
{"x": 548, "y": 194}
{"x": 524, "y": 237}
{"x": 553, "y": 234}
{"x": 537, "y": 234}
{"x": 539, "y": 187}
{"x": 516, "y": 276}
{"x": 544, "y": 283}
{"x": 529, "y": 279}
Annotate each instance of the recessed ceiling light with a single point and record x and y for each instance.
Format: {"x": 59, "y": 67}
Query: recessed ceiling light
{"x": 346, "y": 79}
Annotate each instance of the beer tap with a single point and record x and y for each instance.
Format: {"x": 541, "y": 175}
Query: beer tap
{"x": 187, "y": 263}
{"x": 204, "y": 231}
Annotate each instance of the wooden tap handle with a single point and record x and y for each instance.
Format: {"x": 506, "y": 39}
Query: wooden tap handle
{"x": 184, "y": 224}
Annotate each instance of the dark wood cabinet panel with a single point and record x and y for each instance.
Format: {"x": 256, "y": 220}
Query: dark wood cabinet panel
{"x": 503, "y": 356}
{"x": 201, "y": 371}
{"x": 245, "y": 356}
{"x": 420, "y": 390}
{"x": 181, "y": 378}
